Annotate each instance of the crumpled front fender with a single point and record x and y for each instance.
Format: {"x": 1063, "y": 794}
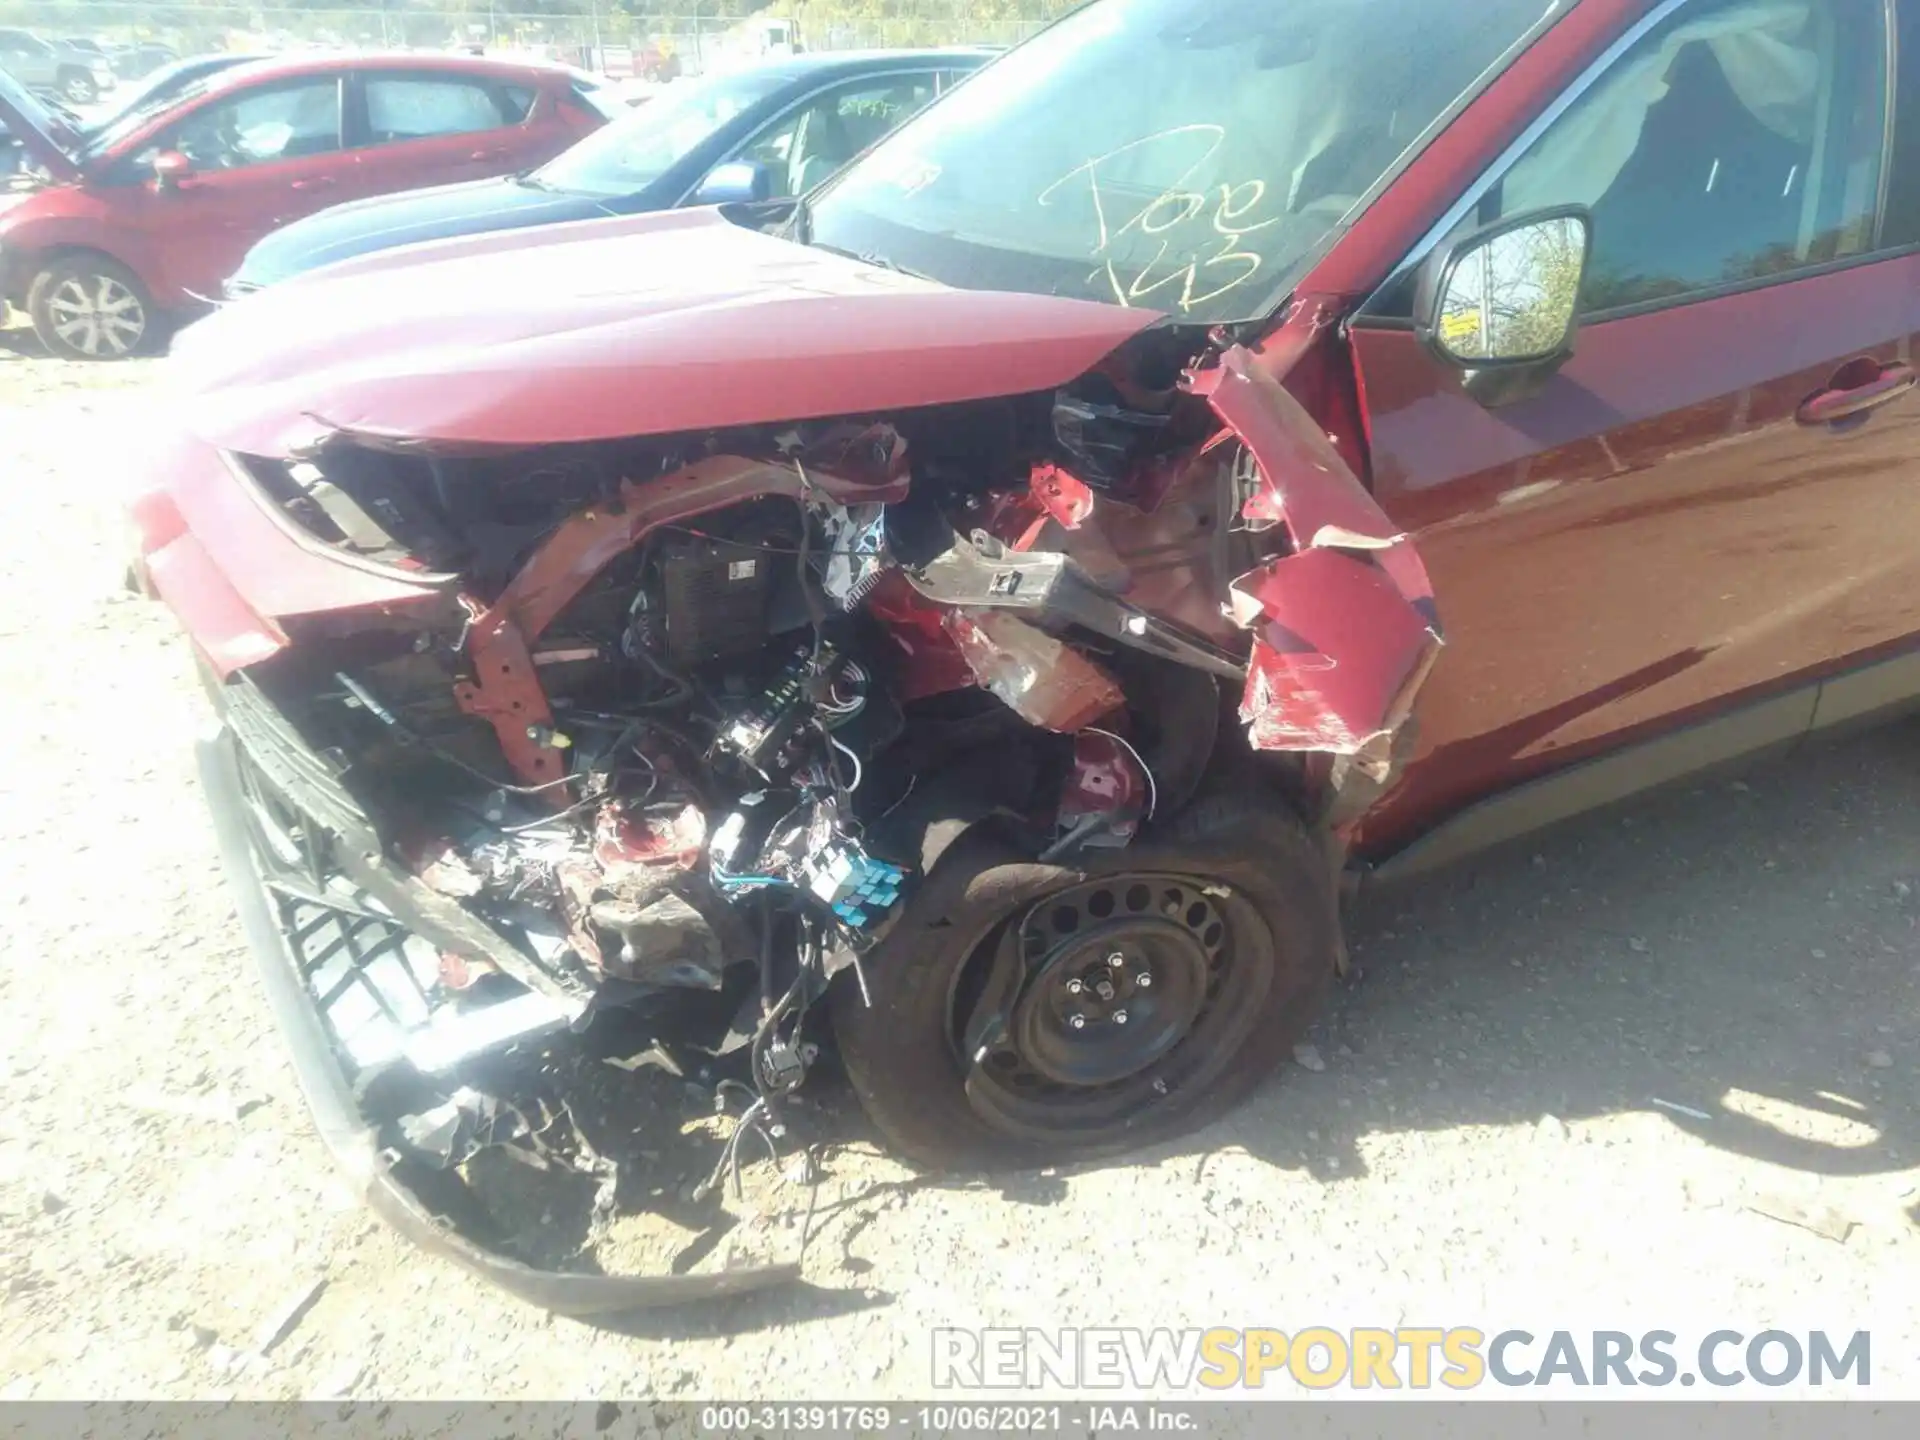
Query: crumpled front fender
{"x": 1344, "y": 624}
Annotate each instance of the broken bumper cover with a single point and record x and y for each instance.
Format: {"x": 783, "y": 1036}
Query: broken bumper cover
{"x": 355, "y": 1143}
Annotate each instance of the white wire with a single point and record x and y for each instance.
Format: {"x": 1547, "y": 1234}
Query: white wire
{"x": 856, "y": 762}
{"x": 1153, "y": 790}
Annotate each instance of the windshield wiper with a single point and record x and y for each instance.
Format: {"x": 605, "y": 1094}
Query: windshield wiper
{"x": 869, "y": 257}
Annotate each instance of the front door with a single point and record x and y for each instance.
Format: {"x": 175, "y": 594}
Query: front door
{"x": 1668, "y": 524}
{"x": 259, "y": 158}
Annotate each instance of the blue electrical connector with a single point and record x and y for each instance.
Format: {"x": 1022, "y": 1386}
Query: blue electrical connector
{"x": 859, "y": 889}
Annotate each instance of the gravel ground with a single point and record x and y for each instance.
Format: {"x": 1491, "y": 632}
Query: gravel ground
{"x": 1488, "y": 1129}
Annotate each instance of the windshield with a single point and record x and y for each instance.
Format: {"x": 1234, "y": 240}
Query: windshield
{"x": 1181, "y": 155}
{"x": 638, "y": 148}
{"x": 161, "y": 84}
{"x": 137, "y": 115}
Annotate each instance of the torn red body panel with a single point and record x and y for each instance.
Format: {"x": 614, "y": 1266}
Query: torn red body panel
{"x": 1334, "y": 645}
{"x": 1344, "y": 626}
{"x": 928, "y": 662}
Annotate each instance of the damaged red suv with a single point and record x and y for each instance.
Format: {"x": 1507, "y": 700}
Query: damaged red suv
{"x": 981, "y": 613}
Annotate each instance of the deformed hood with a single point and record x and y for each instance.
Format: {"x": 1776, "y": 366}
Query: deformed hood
{"x": 36, "y": 128}
{"x": 633, "y": 326}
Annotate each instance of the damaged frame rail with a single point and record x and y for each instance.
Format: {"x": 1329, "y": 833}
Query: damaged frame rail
{"x": 355, "y": 1144}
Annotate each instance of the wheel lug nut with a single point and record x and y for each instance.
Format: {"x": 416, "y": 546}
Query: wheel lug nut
{"x": 1077, "y": 1022}
{"x": 1074, "y": 987}
{"x": 1116, "y": 960}
{"x": 1119, "y": 1017}
{"x": 1143, "y": 981}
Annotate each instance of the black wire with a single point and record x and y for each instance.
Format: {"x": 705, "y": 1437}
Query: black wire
{"x": 393, "y": 722}
{"x": 729, "y": 1160}
{"x": 683, "y": 687}
{"x": 766, "y": 957}
{"x": 815, "y": 615}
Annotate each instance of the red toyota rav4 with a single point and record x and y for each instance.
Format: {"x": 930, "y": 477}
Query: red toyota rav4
{"x": 150, "y": 215}
{"x": 1218, "y": 451}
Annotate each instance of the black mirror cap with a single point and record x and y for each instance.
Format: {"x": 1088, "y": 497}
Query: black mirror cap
{"x": 1436, "y": 276}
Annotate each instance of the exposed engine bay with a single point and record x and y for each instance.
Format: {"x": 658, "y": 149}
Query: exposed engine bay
{"x": 687, "y": 720}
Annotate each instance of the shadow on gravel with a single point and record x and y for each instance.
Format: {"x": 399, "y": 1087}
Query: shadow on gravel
{"x": 1742, "y": 957}
{"x": 786, "y": 1305}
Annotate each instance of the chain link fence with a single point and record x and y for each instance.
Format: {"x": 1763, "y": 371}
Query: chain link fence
{"x": 616, "y": 39}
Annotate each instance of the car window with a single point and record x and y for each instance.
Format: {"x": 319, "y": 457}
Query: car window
{"x": 417, "y": 109}
{"x": 601, "y": 100}
{"x": 642, "y": 145}
{"x": 259, "y": 127}
{"x": 517, "y": 102}
{"x": 808, "y": 145}
{"x": 1738, "y": 140}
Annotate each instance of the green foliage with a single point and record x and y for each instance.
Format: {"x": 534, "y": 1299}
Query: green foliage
{"x": 838, "y": 23}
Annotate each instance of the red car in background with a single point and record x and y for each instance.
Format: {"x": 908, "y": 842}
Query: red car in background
{"x": 149, "y": 216}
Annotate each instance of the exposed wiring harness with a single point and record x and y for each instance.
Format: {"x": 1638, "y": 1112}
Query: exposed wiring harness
{"x": 386, "y": 717}
{"x": 1153, "y": 790}
{"x": 759, "y": 1118}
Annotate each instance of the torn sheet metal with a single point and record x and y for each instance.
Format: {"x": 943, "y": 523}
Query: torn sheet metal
{"x": 1062, "y": 497}
{"x": 1345, "y": 628}
{"x": 1046, "y": 682}
{"x": 1335, "y": 646}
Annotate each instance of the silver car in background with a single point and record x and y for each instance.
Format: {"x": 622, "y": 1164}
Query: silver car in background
{"x": 57, "y": 67}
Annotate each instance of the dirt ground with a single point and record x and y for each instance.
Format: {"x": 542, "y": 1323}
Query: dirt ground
{"x": 1659, "y": 1069}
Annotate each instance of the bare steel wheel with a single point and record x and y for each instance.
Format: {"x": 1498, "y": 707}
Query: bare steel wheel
{"x": 1125, "y": 991}
{"x": 87, "y": 307}
{"x": 1030, "y": 1014}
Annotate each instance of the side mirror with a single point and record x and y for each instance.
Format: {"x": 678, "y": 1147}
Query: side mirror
{"x": 1505, "y": 302}
{"x": 734, "y": 183}
{"x": 170, "y": 167}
